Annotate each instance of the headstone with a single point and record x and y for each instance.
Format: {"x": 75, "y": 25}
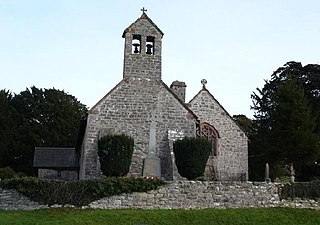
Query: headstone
{"x": 151, "y": 164}
{"x": 151, "y": 167}
{"x": 267, "y": 176}
{"x": 292, "y": 174}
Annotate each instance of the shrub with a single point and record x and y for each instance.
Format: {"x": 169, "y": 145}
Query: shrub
{"x": 306, "y": 190}
{"x": 8, "y": 172}
{"x": 77, "y": 193}
{"x": 191, "y": 156}
{"x": 115, "y": 153}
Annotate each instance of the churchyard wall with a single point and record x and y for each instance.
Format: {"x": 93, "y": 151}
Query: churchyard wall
{"x": 180, "y": 195}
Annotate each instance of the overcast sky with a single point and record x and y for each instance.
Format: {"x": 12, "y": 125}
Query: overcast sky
{"x": 76, "y": 45}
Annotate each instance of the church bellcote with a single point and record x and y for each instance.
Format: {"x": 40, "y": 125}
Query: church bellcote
{"x": 142, "y": 49}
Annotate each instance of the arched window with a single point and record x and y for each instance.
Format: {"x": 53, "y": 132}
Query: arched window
{"x": 207, "y": 131}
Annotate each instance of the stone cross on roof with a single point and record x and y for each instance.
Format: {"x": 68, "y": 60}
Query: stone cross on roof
{"x": 144, "y": 10}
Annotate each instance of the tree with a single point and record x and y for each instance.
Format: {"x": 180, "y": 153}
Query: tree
{"x": 43, "y": 117}
{"x": 286, "y": 118}
{"x": 8, "y": 127}
{"x": 292, "y": 133}
{"x": 245, "y": 123}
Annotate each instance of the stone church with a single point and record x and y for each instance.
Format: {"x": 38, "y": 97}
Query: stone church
{"x": 141, "y": 100}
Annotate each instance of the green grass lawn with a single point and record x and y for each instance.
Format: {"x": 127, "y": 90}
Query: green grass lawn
{"x": 270, "y": 216}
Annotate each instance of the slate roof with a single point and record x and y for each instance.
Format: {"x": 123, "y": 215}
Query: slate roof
{"x": 180, "y": 101}
{"x": 50, "y": 157}
{"x": 143, "y": 16}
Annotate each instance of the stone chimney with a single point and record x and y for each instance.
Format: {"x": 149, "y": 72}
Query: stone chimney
{"x": 179, "y": 88}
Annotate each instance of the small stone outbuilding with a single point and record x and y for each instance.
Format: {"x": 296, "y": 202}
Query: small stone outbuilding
{"x": 56, "y": 163}
{"x": 141, "y": 99}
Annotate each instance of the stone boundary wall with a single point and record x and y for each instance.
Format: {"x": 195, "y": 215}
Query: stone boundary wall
{"x": 12, "y": 200}
{"x": 179, "y": 195}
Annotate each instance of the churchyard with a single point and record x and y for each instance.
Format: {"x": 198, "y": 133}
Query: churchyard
{"x": 180, "y": 163}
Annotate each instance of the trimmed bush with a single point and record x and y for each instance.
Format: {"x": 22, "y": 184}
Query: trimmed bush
{"x": 307, "y": 190}
{"x": 191, "y": 156}
{"x": 115, "y": 154}
{"x": 77, "y": 193}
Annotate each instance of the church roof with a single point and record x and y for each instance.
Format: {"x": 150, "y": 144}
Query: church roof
{"x": 143, "y": 16}
{"x": 180, "y": 101}
{"x": 50, "y": 157}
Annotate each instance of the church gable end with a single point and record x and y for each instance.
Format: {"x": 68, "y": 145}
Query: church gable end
{"x": 231, "y": 161}
{"x": 127, "y": 109}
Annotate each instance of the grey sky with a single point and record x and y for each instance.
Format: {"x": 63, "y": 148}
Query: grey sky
{"x": 77, "y": 46}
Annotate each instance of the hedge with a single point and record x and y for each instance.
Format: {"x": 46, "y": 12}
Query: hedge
{"x": 191, "y": 156}
{"x": 115, "y": 154}
{"x": 8, "y": 173}
{"x": 77, "y": 193}
{"x": 303, "y": 190}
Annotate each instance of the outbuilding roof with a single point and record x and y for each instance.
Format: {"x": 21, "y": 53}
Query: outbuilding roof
{"x": 51, "y": 157}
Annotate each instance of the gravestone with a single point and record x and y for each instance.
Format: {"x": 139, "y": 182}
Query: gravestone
{"x": 267, "y": 176}
{"x": 151, "y": 164}
{"x": 292, "y": 174}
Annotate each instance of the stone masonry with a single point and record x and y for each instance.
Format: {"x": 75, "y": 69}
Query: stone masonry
{"x": 180, "y": 195}
{"x": 127, "y": 109}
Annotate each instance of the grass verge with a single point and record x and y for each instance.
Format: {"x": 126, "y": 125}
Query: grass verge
{"x": 272, "y": 216}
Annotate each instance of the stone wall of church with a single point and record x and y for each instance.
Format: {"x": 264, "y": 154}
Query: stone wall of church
{"x": 127, "y": 109}
{"x": 231, "y": 162}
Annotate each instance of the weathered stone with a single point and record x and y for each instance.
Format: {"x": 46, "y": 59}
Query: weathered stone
{"x": 196, "y": 196}
{"x": 231, "y": 160}
{"x": 128, "y": 107}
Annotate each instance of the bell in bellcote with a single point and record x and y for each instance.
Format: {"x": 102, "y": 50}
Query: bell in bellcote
{"x": 149, "y": 49}
{"x": 136, "y": 48}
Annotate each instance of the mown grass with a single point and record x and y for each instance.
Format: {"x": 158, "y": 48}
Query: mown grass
{"x": 272, "y": 216}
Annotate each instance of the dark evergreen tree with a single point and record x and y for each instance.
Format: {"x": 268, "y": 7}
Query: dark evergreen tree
{"x": 245, "y": 123}
{"x": 8, "y": 128}
{"x": 292, "y": 133}
{"x": 42, "y": 117}
{"x": 286, "y": 119}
